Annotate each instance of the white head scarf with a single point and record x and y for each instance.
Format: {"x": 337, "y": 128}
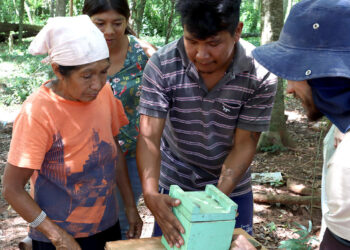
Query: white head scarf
{"x": 70, "y": 41}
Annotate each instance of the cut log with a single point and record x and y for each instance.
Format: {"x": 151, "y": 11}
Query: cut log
{"x": 286, "y": 199}
{"x": 298, "y": 188}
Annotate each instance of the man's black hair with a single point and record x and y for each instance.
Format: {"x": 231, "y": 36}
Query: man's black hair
{"x": 205, "y": 18}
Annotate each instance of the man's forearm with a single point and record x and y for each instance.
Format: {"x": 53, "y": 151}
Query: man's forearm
{"x": 231, "y": 174}
{"x": 238, "y": 160}
{"x": 148, "y": 163}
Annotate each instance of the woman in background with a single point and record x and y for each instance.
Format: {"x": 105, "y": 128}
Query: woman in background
{"x": 128, "y": 57}
{"x": 64, "y": 140}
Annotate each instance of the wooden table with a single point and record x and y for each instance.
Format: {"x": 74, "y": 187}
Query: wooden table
{"x": 154, "y": 243}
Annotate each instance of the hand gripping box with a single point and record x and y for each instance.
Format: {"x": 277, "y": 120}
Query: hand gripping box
{"x": 207, "y": 216}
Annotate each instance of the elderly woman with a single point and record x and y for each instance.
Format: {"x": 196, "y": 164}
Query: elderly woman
{"x": 64, "y": 140}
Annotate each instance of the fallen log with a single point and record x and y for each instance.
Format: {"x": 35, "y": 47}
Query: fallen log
{"x": 7, "y": 27}
{"x": 28, "y": 30}
{"x": 298, "y": 188}
{"x": 286, "y": 199}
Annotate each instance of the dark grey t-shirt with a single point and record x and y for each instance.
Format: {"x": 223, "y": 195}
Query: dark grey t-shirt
{"x": 200, "y": 124}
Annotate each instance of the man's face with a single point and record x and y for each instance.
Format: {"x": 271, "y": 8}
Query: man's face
{"x": 302, "y": 91}
{"x": 214, "y": 53}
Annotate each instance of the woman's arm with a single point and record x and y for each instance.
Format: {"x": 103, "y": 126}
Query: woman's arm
{"x": 147, "y": 47}
{"x": 124, "y": 186}
{"x": 15, "y": 178}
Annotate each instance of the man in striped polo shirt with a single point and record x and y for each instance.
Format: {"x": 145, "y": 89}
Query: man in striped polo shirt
{"x": 203, "y": 105}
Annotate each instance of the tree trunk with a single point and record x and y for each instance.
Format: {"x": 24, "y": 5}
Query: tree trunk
{"x": 52, "y": 8}
{"x": 272, "y": 23}
{"x": 61, "y": 7}
{"x": 133, "y": 7}
{"x": 71, "y": 4}
{"x": 287, "y": 8}
{"x": 21, "y": 17}
{"x": 15, "y": 5}
{"x": 140, "y": 11}
{"x": 26, "y": 7}
{"x": 170, "y": 22}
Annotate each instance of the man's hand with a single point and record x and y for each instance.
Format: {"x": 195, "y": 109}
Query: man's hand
{"x": 161, "y": 207}
{"x": 135, "y": 223}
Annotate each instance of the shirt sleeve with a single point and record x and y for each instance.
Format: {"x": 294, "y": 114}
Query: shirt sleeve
{"x": 256, "y": 112}
{"x": 30, "y": 141}
{"x": 154, "y": 100}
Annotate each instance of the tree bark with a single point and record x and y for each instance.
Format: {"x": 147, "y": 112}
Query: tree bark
{"x": 287, "y": 8}
{"x": 133, "y": 7}
{"x": 26, "y": 7}
{"x": 140, "y": 11}
{"x": 272, "y": 23}
{"x": 71, "y": 4}
{"x": 52, "y": 8}
{"x": 170, "y": 22}
{"x": 21, "y": 17}
{"x": 61, "y": 7}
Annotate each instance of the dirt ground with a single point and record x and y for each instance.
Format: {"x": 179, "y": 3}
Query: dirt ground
{"x": 272, "y": 223}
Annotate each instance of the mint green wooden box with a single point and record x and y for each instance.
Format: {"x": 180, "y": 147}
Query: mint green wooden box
{"x": 207, "y": 216}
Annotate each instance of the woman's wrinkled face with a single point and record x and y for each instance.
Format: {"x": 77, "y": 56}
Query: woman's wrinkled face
{"x": 84, "y": 84}
{"x": 112, "y": 25}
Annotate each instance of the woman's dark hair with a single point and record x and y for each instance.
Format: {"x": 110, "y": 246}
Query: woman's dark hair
{"x": 205, "y": 18}
{"x": 67, "y": 70}
{"x": 92, "y": 7}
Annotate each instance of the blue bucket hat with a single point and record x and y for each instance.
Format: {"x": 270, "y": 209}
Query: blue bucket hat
{"x": 314, "y": 42}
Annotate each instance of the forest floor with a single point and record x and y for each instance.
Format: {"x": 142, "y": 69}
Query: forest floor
{"x": 273, "y": 223}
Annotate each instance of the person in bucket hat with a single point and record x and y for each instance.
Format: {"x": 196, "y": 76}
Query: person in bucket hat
{"x": 313, "y": 54}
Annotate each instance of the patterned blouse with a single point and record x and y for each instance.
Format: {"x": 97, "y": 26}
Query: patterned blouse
{"x": 126, "y": 85}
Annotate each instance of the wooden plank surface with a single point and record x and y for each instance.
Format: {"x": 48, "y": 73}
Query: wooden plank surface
{"x": 154, "y": 243}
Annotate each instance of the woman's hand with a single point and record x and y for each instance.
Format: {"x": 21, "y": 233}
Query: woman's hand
{"x": 65, "y": 241}
{"x": 135, "y": 223}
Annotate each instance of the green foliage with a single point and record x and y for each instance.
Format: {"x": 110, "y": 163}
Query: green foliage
{"x": 272, "y": 226}
{"x": 155, "y": 20}
{"x": 272, "y": 148}
{"x": 21, "y": 73}
{"x": 303, "y": 242}
{"x": 250, "y": 16}
{"x": 157, "y": 41}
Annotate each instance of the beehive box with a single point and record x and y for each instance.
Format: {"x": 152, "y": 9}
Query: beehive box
{"x": 207, "y": 216}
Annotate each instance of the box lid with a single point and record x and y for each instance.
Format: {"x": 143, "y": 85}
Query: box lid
{"x": 208, "y": 205}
